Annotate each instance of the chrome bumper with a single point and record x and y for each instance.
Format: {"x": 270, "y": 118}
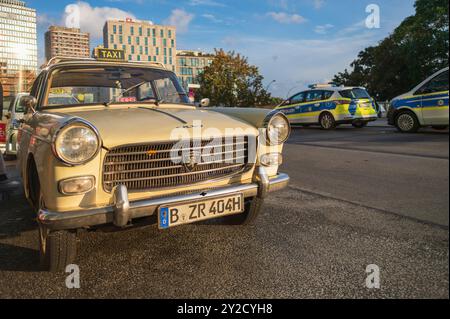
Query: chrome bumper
{"x": 123, "y": 211}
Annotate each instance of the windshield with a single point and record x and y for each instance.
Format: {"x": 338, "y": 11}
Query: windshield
{"x": 109, "y": 85}
{"x": 355, "y": 94}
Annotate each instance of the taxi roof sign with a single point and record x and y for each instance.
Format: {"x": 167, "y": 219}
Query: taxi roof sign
{"x": 102, "y": 54}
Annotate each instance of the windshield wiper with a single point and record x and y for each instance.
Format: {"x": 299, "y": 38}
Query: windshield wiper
{"x": 123, "y": 93}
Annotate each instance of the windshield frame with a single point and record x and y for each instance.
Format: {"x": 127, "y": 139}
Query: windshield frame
{"x": 95, "y": 64}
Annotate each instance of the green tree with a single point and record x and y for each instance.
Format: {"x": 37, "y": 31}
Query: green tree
{"x": 231, "y": 81}
{"x": 415, "y": 50}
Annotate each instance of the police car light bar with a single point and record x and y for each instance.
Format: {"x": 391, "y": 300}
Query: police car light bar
{"x": 323, "y": 85}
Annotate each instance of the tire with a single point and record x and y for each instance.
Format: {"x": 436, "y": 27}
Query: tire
{"x": 440, "y": 127}
{"x": 252, "y": 210}
{"x": 57, "y": 249}
{"x": 407, "y": 122}
{"x": 359, "y": 124}
{"x": 327, "y": 121}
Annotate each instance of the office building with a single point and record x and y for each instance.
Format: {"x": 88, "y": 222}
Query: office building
{"x": 190, "y": 64}
{"x": 18, "y": 46}
{"x": 142, "y": 41}
{"x": 66, "y": 42}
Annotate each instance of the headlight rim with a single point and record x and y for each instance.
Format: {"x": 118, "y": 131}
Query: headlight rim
{"x": 269, "y": 119}
{"x": 67, "y": 125}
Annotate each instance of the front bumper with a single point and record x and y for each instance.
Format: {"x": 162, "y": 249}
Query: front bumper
{"x": 123, "y": 211}
{"x": 353, "y": 119}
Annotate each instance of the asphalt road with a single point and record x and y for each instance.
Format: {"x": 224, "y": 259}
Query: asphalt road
{"x": 357, "y": 197}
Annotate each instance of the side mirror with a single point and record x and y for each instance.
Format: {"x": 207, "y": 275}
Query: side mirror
{"x": 205, "y": 102}
{"x": 28, "y": 103}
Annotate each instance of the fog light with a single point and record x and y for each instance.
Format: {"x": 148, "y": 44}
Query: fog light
{"x": 77, "y": 185}
{"x": 271, "y": 159}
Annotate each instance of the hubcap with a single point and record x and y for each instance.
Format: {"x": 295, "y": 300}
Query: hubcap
{"x": 326, "y": 121}
{"x": 405, "y": 122}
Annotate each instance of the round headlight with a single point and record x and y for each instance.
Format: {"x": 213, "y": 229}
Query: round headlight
{"x": 278, "y": 129}
{"x": 76, "y": 144}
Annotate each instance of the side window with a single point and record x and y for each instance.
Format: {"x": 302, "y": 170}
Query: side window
{"x": 314, "y": 96}
{"x": 299, "y": 98}
{"x": 438, "y": 84}
{"x": 327, "y": 94}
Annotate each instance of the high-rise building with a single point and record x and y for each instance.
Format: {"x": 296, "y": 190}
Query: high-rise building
{"x": 18, "y": 46}
{"x": 142, "y": 41}
{"x": 190, "y": 64}
{"x": 66, "y": 42}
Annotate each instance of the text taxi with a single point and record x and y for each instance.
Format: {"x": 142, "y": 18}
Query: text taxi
{"x": 425, "y": 105}
{"x": 130, "y": 149}
{"x": 329, "y": 105}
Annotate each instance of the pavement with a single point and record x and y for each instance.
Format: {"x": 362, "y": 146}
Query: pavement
{"x": 357, "y": 197}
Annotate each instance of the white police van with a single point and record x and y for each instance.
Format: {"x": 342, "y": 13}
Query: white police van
{"x": 425, "y": 105}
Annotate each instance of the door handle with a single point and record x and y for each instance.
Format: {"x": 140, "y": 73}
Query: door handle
{"x": 317, "y": 104}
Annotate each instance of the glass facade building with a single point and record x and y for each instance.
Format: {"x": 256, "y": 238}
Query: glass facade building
{"x": 18, "y": 46}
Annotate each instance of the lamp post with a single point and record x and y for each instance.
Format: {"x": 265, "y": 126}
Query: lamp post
{"x": 268, "y": 85}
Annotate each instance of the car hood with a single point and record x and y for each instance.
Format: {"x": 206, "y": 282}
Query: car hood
{"x": 402, "y": 96}
{"x": 135, "y": 125}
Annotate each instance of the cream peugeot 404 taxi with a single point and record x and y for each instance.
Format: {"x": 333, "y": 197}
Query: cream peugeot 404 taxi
{"x": 128, "y": 149}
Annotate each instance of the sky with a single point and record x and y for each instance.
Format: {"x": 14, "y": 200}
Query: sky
{"x": 293, "y": 42}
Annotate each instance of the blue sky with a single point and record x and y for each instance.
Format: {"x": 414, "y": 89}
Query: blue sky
{"x": 295, "y": 42}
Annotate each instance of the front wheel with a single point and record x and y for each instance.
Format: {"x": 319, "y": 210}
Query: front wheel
{"x": 252, "y": 210}
{"x": 57, "y": 249}
{"x": 327, "y": 121}
{"x": 407, "y": 122}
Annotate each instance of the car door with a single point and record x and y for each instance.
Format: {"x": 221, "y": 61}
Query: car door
{"x": 292, "y": 108}
{"x": 434, "y": 100}
{"x": 312, "y": 105}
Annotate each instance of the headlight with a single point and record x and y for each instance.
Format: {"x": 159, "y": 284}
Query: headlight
{"x": 76, "y": 143}
{"x": 278, "y": 129}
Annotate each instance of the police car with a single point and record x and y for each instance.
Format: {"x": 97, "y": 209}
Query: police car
{"x": 330, "y": 105}
{"x": 425, "y": 105}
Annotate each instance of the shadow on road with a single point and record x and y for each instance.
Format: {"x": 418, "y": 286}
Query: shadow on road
{"x": 15, "y": 258}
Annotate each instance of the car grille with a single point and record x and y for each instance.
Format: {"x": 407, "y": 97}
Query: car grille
{"x": 172, "y": 164}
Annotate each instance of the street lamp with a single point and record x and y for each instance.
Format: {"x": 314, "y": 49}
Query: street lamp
{"x": 268, "y": 85}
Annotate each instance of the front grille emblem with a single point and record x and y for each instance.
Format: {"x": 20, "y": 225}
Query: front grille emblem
{"x": 191, "y": 160}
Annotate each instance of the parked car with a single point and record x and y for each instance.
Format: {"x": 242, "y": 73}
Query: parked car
{"x": 134, "y": 151}
{"x": 425, "y": 105}
{"x": 329, "y": 105}
{"x": 13, "y": 116}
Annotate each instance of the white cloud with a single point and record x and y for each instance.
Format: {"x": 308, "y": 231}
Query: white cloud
{"x": 323, "y": 29}
{"x": 180, "y": 19}
{"x": 297, "y": 63}
{"x": 286, "y": 18}
{"x": 92, "y": 19}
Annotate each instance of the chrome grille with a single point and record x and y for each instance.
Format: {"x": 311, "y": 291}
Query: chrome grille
{"x": 171, "y": 164}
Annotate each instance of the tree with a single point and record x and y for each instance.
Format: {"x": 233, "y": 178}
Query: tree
{"x": 415, "y": 50}
{"x": 231, "y": 81}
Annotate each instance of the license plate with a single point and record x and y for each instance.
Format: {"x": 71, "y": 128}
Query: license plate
{"x": 188, "y": 213}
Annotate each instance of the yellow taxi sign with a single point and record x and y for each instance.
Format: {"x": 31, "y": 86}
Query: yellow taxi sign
{"x": 109, "y": 54}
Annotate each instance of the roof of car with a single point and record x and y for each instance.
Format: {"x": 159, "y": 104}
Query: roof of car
{"x": 57, "y": 62}
{"x": 333, "y": 88}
